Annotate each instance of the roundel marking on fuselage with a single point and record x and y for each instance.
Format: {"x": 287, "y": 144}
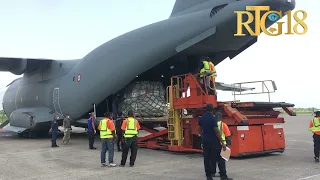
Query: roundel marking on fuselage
{"x": 78, "y": 77}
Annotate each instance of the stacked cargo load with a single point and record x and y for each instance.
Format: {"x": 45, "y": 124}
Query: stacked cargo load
{"x": 145, "y": 98}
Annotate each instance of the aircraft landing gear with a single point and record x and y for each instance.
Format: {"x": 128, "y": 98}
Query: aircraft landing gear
{"x": 32, "y": 134}
{"x": 28, "y": 134}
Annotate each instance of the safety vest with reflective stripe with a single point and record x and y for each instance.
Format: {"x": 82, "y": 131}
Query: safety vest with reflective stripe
{"x": 315, "y": 125}
{"x": 208, "y": 66}
{"x": 105, "y": 132}
{"x": 223, "y": 137}
{"x": 131, "y": 128}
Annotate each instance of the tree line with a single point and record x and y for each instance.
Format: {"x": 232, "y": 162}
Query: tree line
{"x": 3, "y": 117}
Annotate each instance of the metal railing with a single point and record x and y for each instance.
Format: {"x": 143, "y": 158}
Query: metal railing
{"x": 265, "y": 88}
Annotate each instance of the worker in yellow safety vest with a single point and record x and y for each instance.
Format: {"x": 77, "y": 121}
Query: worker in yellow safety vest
{"x": 130, "y": 127}
{"x": 314, "y": 127}
{"x": 107, "y": 136}
{"x": 208, "y": 74}
{"x": 226, "y": 138}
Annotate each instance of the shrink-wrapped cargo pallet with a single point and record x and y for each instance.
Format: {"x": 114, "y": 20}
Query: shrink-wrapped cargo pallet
{"x": 146, "y": 99}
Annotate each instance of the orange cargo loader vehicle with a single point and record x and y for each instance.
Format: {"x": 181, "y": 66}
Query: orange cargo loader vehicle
{"x": 256, "y": 127}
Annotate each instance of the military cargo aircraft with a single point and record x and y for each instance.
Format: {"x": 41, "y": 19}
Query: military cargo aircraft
{"x": 154, "y": 52}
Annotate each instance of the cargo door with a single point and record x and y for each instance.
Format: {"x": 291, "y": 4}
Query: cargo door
{"x": 56, "y": 103}
{"x": 273, "y": 137}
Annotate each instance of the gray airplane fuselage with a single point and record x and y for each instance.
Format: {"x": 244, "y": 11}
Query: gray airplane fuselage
{"x": 71, "y": 86}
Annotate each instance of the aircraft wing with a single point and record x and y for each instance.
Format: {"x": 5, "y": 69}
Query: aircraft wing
{"x": 229, "y": 87}
{"x": 19, "y": 66}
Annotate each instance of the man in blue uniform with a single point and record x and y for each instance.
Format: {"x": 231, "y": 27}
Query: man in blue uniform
{"x": 54, "y": 131}
{"x": 118, "y": 123}
{"x": 211, "y": 139}
{"x": 91, "y": 131}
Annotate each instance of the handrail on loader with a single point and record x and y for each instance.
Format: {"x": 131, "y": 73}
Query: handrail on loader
{"x": 178, "y": 82}
{"x": 263, "y": 84}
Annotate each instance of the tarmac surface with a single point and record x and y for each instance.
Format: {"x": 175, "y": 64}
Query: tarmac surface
{"x": 34, "y": 159}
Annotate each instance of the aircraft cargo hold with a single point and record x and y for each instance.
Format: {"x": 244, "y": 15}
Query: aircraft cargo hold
{"x": 145, "y": 98}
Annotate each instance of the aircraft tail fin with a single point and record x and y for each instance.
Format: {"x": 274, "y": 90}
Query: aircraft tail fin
{"x": 181, "y": 5}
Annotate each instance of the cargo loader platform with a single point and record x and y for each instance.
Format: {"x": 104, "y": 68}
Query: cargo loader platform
{"x": 255, "y": 127}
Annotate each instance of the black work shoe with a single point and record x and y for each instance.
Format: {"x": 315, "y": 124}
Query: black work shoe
{"x": 209, "y": 178}
{"x": 121, "y": 165}
{"x": 93, "y": 148}
{"x": 316, "y": 159}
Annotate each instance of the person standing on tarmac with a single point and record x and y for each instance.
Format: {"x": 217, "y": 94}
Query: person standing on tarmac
{"x": 314, "y": 127}
{"x": 131, "y": 127}
{"x": 91, "y": 131}
{"x": 226, "y": 138}
{"x": 211, "y": 139}
{"x": 107, "y": 135}
{"x": 67, "y": 129}
{"x": 118, "y": 123}
{"x": 54, "y": 131}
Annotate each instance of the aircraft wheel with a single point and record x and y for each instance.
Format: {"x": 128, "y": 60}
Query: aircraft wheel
{"x": 31, "y": 134}
{"x": 43, "y": 134}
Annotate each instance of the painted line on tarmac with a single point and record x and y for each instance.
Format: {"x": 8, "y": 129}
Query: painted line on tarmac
{"x": 294, "y": 140}
{"x": 310, "y": 177}
{"x": 301, "y": 149}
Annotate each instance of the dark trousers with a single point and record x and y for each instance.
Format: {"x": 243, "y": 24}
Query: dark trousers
{"x": 206, "y": 80}
{"x": 210, "y": 156}
{"x": 119, "y": 140}
{"x": 91, "y": 137}
{"x": 54, "y": 138}
{"x": 107, "y": 144}
{"x": 130, "y": 143}
{"x": 222, "y": 166}
{"x": 316, "y": 144}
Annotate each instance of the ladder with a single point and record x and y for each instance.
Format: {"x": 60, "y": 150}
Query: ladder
{"x": 171, "y": 128}
{"x": 174, "y": 119}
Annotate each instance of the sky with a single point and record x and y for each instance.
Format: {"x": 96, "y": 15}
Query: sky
{"x": 71, "y": 29}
